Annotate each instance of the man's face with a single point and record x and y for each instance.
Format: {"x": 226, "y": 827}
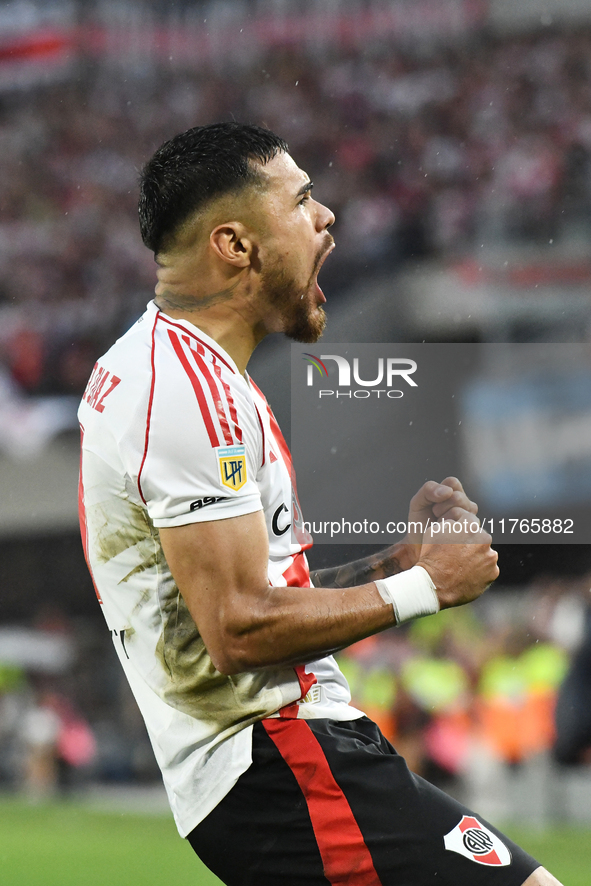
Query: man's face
{"x": 294, "y": 247}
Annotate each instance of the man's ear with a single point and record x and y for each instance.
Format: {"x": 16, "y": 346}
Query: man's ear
{"x": 233, "y": 243}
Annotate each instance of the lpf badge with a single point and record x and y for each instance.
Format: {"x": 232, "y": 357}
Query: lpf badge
{"x": 232, "y": 464}
{"x": 472, "y": 840}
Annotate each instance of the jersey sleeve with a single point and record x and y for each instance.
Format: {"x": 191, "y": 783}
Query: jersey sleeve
{"x": 202, "y": 444}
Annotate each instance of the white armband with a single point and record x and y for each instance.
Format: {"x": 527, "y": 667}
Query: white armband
{"x": 411, "y": 593}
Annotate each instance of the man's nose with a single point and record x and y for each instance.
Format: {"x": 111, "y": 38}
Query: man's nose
{"x": 324, "y": 217}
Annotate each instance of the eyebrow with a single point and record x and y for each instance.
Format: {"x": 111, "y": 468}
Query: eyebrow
{"x": 307, "y": 186}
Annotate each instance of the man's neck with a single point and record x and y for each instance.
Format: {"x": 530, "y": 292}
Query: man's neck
{"x": 170, "y": 298}
{"x": 237, "y": 338}
{"x": 220, "y": 301}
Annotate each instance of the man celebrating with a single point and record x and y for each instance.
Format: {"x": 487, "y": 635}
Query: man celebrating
{"x": 271, "y": 774}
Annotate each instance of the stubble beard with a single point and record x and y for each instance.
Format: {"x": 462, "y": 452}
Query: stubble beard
{"x": 302, "y": 319}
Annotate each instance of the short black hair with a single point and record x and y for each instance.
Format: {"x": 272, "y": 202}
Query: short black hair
{"x": 193, "y": 168}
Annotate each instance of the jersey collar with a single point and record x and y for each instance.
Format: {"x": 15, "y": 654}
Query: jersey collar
{"x": 195, "y": 331}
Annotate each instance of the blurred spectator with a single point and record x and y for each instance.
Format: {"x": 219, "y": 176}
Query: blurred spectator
{"x": 27, "y": 424}
{"x": 474, "y": 684}
{"x": 13, "y": 689}
{"x": 515, "y": 699}
{"x": 56, "y": 744}
{"x": 38, "y": 732}
{"x": 573, "y": 708}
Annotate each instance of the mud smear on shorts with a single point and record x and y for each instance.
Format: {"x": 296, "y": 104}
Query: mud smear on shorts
{"x": 195, "y": 686}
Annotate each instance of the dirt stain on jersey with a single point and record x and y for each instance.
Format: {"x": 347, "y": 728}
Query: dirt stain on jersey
{"x": 122, "y": 529}
{"x": 194, "y": 682}
{"x": 145, "y": 596}
{"x": 118, "y": 526}
{"x": 195, "y": 687}
{"x": 151, "y": 558}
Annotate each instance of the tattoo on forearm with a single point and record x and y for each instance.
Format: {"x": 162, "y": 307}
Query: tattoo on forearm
{"x": 360, "y": 572}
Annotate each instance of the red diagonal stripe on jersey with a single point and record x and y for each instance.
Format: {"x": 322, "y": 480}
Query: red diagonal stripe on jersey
{"x": 199, "y": 358}
{"x": 297, "y": 574}
{"x": 233, "y": 414}
{"x": 280, "y": 440}
{"x": 196, "y": 338}
{"x": 201, "y": 345}
{"x": 344, "y": 854}
{"x": 273, "y": 457}
{"x": 305, "y": 680}
{"x": 180, "y": 352}
{"x": 276, "y": 431}
{"x": 286, "y": 455}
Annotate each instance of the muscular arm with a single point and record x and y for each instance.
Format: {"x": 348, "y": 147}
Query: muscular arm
{"x": 220, "y": 568}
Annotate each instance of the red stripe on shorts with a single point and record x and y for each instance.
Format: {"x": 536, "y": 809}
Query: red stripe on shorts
{"x": 345, "y": 857}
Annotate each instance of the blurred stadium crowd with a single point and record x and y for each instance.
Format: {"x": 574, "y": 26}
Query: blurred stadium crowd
{"x": 418, "y": 155}
{"x": 482, "y": 681}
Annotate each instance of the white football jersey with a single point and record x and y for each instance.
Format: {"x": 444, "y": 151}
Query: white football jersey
{"x": 172, "y": 434}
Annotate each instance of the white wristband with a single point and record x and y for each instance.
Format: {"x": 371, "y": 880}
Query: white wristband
{"x": 411, "y": 593}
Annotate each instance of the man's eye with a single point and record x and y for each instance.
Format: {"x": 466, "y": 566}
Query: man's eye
{"x": 305, "y": 198}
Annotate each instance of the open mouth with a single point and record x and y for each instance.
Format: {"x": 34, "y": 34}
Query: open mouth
{"x": 319, "y": 262}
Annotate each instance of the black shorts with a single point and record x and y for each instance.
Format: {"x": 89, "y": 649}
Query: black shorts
{"x": 332, "y": 802}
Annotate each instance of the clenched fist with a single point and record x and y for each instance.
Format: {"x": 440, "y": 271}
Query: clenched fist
{"x": 462, "y": 566}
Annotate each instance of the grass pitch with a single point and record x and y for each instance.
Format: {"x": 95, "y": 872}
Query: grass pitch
{"x": 68, "y": 844}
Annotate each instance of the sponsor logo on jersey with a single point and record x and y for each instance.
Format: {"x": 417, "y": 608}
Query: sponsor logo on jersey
{"x": 277, "y": 530}
{"x": 472, "y": 840}
{"x": 208, "y": 500}
{"x": 232, "y": 465}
